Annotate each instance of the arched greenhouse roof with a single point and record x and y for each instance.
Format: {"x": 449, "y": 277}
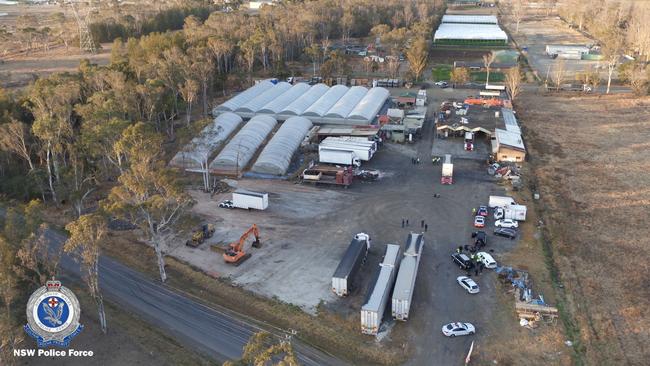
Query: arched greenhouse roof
{"x": 276, "y": 156}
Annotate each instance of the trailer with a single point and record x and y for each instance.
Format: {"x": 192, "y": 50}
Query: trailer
{"x": 363, "y": 151}
{"x": 501, "y": 201}
{"x": 247, "y": 200}
{"x": 405, "y": 282}
{"x": 354, "y": 140}
{"x": 335, "y": 155}
{"x": 447, "y": 171}
{"x": 321, "y": 174}
{"x": 372, "y": 312}
{"x": 512, "y": 212}
{"x": 354, "y": 257}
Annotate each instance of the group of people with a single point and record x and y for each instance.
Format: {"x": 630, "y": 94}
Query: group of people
{"x": 423, "y": 225}
{"x": 415, "y": 160}
{"x": 477, "y": 264}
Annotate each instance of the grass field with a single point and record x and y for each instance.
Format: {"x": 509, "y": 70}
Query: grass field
{"x": 481, "y": 76}
{"x": 590, "y": 157}
{"x": 441, "y": 72}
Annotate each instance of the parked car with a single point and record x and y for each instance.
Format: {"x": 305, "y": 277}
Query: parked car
{"x": 226, "y": 204}
{"x": 480, "y": 238}
{"x": 479, "y": 221}
{"x": 458, "y": 329}
{"x": 509, "y": 223}
{"x": 506, "y": 232}
{"x": 468, "y": 284}
{"x": 487, "y": 260}
{"x": 462, "y": 260}
{"x": 442, "y": 84}
{"x": 482, "y": 211}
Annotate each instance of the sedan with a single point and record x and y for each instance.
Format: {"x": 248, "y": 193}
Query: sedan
{"x": 468, "y": 284}
{"x": 479, "y": 221}
{"x": 454, "y": 329}
{"x": 482, "y": 211}
{"x": 508, "y": 223}
{"x": 226, "y": 204}
{"x": 442, "y": 84}
{"x": 487, "y": 260}
{"x": 508, "y": 233}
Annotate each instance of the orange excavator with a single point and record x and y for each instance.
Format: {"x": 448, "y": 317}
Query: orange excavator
{"x": 236, "y": 254}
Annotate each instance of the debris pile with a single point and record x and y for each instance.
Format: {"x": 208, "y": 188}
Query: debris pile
{"x": 529, "y": 310}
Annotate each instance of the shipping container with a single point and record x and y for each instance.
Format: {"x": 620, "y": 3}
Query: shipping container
{"x": 248, "y": 200}
{"x": 405, "y": 282}
{"x": 354, "y": 257}
{"x": 372, "y": 312}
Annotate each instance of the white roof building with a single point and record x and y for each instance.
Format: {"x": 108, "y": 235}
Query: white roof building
{"x": 347, "y": 102}
{"x": 326, "y": 102}
{"x": 509, "y": 139}
{"x": 470, "y": 19}
{"x": 301, "y": 104}
{"x": 238, "y": 100}
{"x": 277, "y": 104}
{"x": 277, "y": 154}
{"x": 257, "y": 103}
{"x": 510, "y": 120}
{"x": 470, "y": 32}
{"x": 370, "y": 105}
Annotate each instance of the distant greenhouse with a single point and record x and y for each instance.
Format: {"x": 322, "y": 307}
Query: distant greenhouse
{"x": 238, "y": 100}
{"x": 347, "y": 102}
{"x": 257, "y": 103}
{"x": 241, "y": 148}
{"x": 194, "y": 156}
{"x": 301, "y": 104}
{"x": 276, "y": 156}
{"x": 370, "y": 105}
{"x": 454, "y": 33}
{"x": 286, "y": 98}
{"x": 326, "y": 102}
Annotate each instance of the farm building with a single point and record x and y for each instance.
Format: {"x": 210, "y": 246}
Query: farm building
{"x": 456, "y": 33}
{"x": 508, "y": 146}
{"x": 469, "y": 19}
{"x": 319, "y": 103}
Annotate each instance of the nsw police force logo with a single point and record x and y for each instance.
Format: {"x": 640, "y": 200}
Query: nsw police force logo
{"x": 53, "y": 315}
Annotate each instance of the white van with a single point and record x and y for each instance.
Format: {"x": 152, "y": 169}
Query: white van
{"x": 501, "y": 201}
{"x": 487, "y": 260}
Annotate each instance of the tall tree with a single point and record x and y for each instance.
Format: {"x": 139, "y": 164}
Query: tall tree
{"x": 518, "y": 12}
{"x": 149, "y": 194}
{"x": 189, "y": 90}
{"x": 86, "y": 235}
{"x": 513, "y": 81}
{"x": 460, "y": 75}
{"x": 488, "y": 59}
{"x": 612, "y": 49}
{"x": 263, "y": 349}
{"x": 417, "y": 57}
{"x": 14, "y": 138}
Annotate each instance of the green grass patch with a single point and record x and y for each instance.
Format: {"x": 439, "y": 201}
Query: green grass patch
{"x": 441, "y": 72}
{"x": 482, "y": 75}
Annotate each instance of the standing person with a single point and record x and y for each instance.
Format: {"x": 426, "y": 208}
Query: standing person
{"x": 418, "y": 160}
{"x": 402, "y": 222}
{"x": 426, "y": 227}
{"x": 475, "y": 270}
{"x": 474, "y": 211}
{"x": 407, "y": 222}
{"x": 459, "y": 249}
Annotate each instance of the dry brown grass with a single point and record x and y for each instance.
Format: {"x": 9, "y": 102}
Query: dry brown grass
{"x": 590, "y": 156}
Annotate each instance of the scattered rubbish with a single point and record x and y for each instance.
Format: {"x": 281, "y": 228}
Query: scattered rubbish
{"x": 568, "y": 343}
{"x": 523, "y": 322}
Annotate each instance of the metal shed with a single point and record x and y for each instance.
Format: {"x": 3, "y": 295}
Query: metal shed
{"x": 370, "y": 105}
{"x": 276, "y": 156}
{"x": 236, "y": 155}
{"x": 194, "y": 156}
{"x": 306, "y": 100}
{"x": 327, "y": 101}
{"x": 347, "y": 102}
{"x": 257, "y": 103}
{"x": 276, "y": 105}
{"x": 238, "y": 100}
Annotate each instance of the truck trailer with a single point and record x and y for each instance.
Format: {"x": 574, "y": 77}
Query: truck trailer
{"x": 247, "y": 200}
{"x": 363, "y": 151}
{"x": 501, "y": 201}
{"x": 322, "y": 174}
{"x": 405, "y": 282}
{"x": 372, "y": 312}
{"x": 447, "y": 171}
{"x": 354, "y": 257}
{"x": 353, "y": 139}
{"x": 334, "y": 155}
{"x": 512, "y": 212}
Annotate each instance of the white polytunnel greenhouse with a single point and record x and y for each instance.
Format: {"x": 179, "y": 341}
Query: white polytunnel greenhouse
{"x": 276, "y": 156}
{"x": 238, "y": 100}
{"x": 257, "y": 103}
{"x": 236, "y": 155}
{"x": 306, "y": 100}
{"x": 194, "y": 156}
{"x": 289, "y": 96}
{"x": 327, "y": 101}
{"x": 469, "y": 33}
{"x": 347, "y": 102}
{"x": 370, "y": 105}
{"x": 470, "y": 19}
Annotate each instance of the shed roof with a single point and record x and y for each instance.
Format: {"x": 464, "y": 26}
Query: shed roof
{"x": 510, "y": 120}
{"x": 370, "y": 105}
{"x": 244, "y": 97}
{"x": 347, "y": 102}
{"x": 327, "y": 101}
{"x": 470, "y": 32}
{"x": 299, "y": 105}
{"x": 509, "y": 139}
{"x": 286, "y": 98}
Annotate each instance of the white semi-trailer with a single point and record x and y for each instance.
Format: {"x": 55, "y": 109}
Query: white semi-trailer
{"x": 372, "y": 312}
{"x": 247, "y": 200}
{"x": 334, "y": 155}
{"x": 405, "y": 282}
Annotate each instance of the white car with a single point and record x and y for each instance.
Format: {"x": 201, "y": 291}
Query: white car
{"x": 487, "y": 260}
{"x": 468, "y": 284}
{"x": 509, "y": 223}
{"x": 458, "y": 329}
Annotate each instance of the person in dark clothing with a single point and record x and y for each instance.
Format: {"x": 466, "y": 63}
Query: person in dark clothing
{"x": 459, "y": 249}
{"x": 402, "y": 222}
{"x": 407, "y": 222}
{"x": 476, "y": 271}
{"x": 426, "y": 227}
{"x": 480, "y": 267}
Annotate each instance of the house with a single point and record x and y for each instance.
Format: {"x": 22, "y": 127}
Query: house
{"x": 508, "y": 146}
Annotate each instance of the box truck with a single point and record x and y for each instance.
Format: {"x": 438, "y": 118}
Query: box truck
{"x": 338, "y": 156}
{"x": 247, "y": 200}
{"x": 372, "y": 312}
{"x": 354, "y": 257}
{"x": 352, "y": 140}
{"x": 447, "y": 171}
{"x": 512, "y": 212}
{"x": 363, "y": 151}
{"x": 405, "y": 282}
{"x": 501, "y": 201}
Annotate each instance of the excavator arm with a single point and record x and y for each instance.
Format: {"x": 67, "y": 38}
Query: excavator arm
{"x": 236, "y": 254}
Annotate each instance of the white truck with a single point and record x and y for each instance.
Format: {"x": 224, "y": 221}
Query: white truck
{"x": 501, "y": 201}
{"x": 363, "y": 151}
{"x": 362, "y": 141}
{"x": 447, "y": 171}
{"x": 335, "y": 155}
{"x": 512, "y": 212}
{"x": 247, "y": 200}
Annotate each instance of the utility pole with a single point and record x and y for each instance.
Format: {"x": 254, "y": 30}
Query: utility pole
{"x": 86, "y": 41}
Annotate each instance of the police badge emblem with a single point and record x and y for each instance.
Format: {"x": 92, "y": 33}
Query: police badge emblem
{"x": 53, "y": 315}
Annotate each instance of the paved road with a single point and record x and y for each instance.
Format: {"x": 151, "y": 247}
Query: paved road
{"x": 219, "y": 334}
